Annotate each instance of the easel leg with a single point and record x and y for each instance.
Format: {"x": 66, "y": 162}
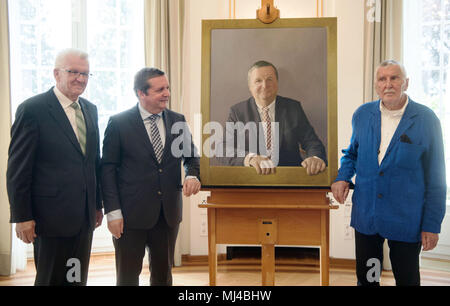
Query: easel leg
{"x": 324, "y": 251}
{"x": 212, "y": 247}
{"x": 268, "y": 264}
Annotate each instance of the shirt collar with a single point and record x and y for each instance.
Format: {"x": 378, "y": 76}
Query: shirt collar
{"x": 394, "y": 113}
{"x": 271, "y": 106}
{"x": 145, "y": 114}
{"x": 65, "y": 102}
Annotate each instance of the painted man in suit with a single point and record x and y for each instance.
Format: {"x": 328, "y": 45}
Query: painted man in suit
{"x": 285, "y": 128}
{"x": 141, "y": 180}
{"x": 397, "y": 154}
{"x": 52, "y": 182}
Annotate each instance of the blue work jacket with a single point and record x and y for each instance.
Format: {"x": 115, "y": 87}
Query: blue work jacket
{"x": 406, "y": 194}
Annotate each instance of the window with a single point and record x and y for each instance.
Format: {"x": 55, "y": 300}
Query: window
{"x": 111, "y": 31}
{"x": 36, "y": 35}
{"x": 426, "y": 47}
{"x": 115, "y": 43}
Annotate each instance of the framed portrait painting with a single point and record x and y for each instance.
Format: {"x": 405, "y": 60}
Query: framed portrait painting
{"x": 303, "y": 52}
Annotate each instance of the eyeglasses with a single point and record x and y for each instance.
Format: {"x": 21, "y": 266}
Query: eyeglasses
{"x": 76, "y": 74}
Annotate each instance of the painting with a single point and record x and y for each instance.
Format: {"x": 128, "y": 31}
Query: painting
{"x": 303, "y": 53}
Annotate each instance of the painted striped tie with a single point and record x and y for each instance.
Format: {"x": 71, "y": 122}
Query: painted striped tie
{"x": 81, "y": 126}
{"x": 155, "y": 137}
{"x": 268, "y": 128}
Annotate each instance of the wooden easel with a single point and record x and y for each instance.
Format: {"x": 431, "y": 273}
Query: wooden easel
{"x": 268, "y": 217}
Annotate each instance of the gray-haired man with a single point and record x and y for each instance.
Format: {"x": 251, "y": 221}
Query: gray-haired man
{"x": 52, "y": 182}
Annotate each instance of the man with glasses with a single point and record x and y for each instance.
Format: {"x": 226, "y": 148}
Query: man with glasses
{"x": 52, "y": 181}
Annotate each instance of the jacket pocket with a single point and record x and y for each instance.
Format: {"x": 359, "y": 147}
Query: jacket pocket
{"x": 409, "y": 155}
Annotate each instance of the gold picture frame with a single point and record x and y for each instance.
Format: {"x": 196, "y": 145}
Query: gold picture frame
{"x": 222, "y": 37}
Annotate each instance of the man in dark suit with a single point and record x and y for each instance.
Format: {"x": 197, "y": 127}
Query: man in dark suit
{"x": 52, "y": 183}
{"x": 285, "y": 128}
{"x": 141, "y": 180}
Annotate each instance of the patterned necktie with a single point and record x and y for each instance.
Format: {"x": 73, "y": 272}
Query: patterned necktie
{"x": 81, "y": 126}
{"x": 156, "y": 138}
{"x": 268, "y": 127}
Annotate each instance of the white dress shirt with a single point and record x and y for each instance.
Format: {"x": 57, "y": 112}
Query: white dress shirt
{"x": 159, "y": 124}
{"x": 390, "y": 120}
{"x": 70, "y": 111}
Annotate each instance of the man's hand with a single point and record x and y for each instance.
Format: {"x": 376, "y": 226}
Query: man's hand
{"x": 98, "y": 218}
{"x": 262, "y": 165}
{"x": 116, "y": 227}
{"x": 429, "y": 241}
{"x": 191, "y": 187}
{"x": 340, "y": 190}
{"x": 25, "y": 231}
{"x": 313, "y": 165}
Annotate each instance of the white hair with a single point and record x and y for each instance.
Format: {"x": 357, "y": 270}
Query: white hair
{"x": 62, "y": 55}
{"x": 391, "y": 62}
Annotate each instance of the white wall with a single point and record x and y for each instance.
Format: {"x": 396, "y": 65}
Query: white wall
{"x": 350, "y": 16}
{"x": 5, "y": 124}
{"x": 350, "y": 95}
{"x": 189, "y": 238}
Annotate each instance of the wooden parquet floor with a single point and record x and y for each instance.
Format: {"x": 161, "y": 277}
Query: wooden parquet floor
{"x": 102, "y": 273}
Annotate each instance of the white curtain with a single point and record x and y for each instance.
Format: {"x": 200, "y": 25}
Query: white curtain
{"x": 18, "y": 253}
{"x": 12, "y": 251}
{"x": 164, "y": 26}
{"x": 382, "y": 38}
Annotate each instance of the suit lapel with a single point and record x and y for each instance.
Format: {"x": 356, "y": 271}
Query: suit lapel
{"x": 253, "y": 111}
{"x": 139, "y": 127}
{"x": 376, "y": 126}
{"x": 254, "y": 116}
{"x": 280, "y": 113}
{"x": 90, "y": 140}
{"x": 168, "y": 122}
{"x": 57, "y": 112}
{"x": 405, "y": 123}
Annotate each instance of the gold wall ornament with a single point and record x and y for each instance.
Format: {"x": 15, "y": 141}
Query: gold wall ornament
{"x": 319, "y": 8}
{"x": 268, "y": 13}
{"x": 232, "y": 9}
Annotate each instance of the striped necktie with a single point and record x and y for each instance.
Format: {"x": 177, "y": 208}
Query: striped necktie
{"x": 267, "y": 127}
{"x": 155, "y": 137}
{"x": 81, "y": 126}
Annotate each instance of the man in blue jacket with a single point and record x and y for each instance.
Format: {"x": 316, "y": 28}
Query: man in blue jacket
{"x": 397, "y": 154}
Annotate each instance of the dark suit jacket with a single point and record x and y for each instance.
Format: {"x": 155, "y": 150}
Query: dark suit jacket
{"x": 294, "y": 130}
{"x": 132, "y": 178}
{"x": 49, "y": 180}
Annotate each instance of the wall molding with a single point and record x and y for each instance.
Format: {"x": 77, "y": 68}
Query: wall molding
{"x": 5, "y": 264}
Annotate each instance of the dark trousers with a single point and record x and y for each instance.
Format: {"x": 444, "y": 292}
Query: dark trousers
{"x": 404, "y": 258}
{"x": 130, "y": 250}
{"x": 63, "y": 261}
